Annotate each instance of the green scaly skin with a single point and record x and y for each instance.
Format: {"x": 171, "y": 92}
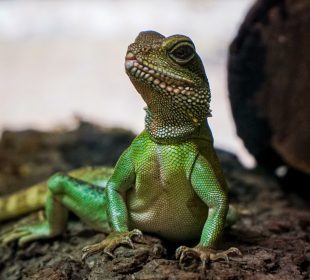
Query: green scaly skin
{"x": 169, "y": 181}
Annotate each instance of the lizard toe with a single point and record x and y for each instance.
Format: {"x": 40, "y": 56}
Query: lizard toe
{"x": 12, "y": 236}
{"x": 90, "y": 250}
{"x": 187, "y": 256}
{"x": 110, "y": 243}
{"x": 225, "y": 254}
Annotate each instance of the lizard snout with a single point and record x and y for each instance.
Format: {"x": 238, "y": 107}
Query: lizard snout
{"x": 130, "y": 58}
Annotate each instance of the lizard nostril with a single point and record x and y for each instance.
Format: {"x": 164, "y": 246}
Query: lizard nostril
{"x": 146, "y": 49}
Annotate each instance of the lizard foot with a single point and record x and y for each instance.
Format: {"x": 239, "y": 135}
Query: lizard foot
{"x": 111, "y": 242}
{"x": 203, "y": 254}
{"x": 26, "y": 233}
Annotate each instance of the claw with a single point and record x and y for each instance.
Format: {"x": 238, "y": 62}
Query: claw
{"x": 109, "y": 244}
{"x": 12, "y": 236}
{"x": 179, "y": 251}
{"x": 204, "y": 254}
{"x": 109, "y": 253}
{"x": 15, "y": 233}
{"x": 224, "y": 255}
{"x": 129, "y": 242}
{"x": 204, "y": 261}
{"x": 91, "y": 250}
{"x": 182, "y": 257}
{"x": 137, "y": 233}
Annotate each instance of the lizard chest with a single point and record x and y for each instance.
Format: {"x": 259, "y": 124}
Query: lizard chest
{"x": 162, "y": 200}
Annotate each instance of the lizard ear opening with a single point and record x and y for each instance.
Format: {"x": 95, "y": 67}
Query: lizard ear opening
{"x": 182, "y": 52}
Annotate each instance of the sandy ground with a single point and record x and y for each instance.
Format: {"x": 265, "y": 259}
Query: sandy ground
{"x": 60, "y": 59}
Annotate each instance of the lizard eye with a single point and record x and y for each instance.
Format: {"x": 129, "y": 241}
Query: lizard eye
{"x": 182, "y": 53}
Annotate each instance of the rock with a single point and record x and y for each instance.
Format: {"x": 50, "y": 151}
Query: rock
{"x": 268, "y": 74}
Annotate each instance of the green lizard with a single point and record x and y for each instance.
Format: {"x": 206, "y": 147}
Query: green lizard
{"x": 167, "y": 182}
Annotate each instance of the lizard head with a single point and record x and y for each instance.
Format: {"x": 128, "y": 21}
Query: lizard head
{"x": 169, "y": 75}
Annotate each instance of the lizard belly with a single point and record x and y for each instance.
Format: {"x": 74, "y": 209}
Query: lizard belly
{"x": 169, "y": 208}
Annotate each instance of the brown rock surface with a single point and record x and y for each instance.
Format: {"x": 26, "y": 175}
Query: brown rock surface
{"x": 273, "y": 233}
{"x": 269, "y": 74}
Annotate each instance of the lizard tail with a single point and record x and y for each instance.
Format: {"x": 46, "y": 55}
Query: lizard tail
{"x": 23, "y": 202}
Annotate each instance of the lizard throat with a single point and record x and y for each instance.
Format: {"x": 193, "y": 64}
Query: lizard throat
{"x": 168, "y": 129}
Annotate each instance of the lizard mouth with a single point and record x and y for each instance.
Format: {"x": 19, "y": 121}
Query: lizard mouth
{"x": 170, "y": 83}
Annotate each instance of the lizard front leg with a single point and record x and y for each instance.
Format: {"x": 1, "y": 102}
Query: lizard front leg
{"x": 207, "y": 186}
{"x": 121, "y": 181}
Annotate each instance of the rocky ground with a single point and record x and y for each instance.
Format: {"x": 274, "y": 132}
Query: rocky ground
{"x": 273, "y": 233}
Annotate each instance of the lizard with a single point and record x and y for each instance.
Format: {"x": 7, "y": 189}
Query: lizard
{"x": 168, "y": 182}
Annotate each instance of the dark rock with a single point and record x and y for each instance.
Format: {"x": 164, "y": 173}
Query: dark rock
{"x": 269, "y": 73}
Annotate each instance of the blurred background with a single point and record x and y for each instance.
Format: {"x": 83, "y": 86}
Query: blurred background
{"x": 63, "y": 59}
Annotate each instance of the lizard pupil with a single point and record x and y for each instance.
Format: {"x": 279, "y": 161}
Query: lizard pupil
{"x": 182, "y": 53}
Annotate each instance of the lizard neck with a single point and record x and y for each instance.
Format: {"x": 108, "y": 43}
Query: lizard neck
{"x": 166, "y": 127}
